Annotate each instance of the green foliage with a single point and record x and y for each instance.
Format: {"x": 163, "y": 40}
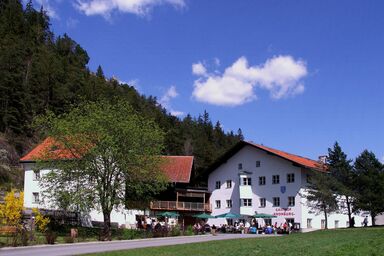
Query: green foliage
{"x": 341, "y": 170}
{"x": 369, "y": 184}
{"x": 110, "y": 148}
{"x": 321, "y": 194}
{"x": 40, "y": 71}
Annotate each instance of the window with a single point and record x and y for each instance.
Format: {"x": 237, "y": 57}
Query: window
{"x": 262, "y": 180}
{"x": 230, "y": 222}
{"x": 336, "y": 224}
{"x": 257, "y": 163}
{"x": 309, "y": 223}
{"x": 36, "y": 175}
{"x": 240, "y": 166}
{"x": 276, "y": 201}
{"x": 229, "y": 203}
{"x": 262, "y": 202}
{"x": 291, "y": 201}
{"x": 218, "y": 204}
{"x": 290, "y": 177}
{"x": 35, "y": 197}
{"x": 246, "y": 202}
{"x": 275, "y": 179}
{"x": 229, "y": 183}
{"x": 246, "y": 181}
{"x": 322, "y": 224}
{"x": 218, "y": 184}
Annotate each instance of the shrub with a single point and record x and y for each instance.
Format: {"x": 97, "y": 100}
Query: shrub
{"x": 189, "y": 231}
{"x": 175, "y": 231}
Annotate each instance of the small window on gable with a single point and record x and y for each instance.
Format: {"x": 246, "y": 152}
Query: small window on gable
{"x": 257, "y": 163}
{"x": 240, "y": 166}
{"x": 218, "y": 184}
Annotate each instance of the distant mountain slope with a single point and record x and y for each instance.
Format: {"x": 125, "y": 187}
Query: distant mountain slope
{"x": 40, "y": 71}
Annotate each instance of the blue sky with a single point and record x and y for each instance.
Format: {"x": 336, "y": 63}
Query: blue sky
{"x": 294, "y": 75}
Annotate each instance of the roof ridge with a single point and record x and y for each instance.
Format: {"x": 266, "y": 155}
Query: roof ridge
{"x": 285, "y": 152}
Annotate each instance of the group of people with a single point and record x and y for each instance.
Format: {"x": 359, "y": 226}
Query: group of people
{"x": 245, "y": 227}
{"x": 150, "y": 224}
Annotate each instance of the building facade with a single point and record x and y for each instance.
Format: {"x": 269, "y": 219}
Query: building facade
{"x": 252, "y": 178}
{"x": 178, "y": 197}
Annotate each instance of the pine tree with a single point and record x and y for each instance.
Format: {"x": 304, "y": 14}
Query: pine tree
{"x": 369, "y": 184}
{"x": 341, "y": 169}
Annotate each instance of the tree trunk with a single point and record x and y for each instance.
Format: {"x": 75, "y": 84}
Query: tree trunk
{"x": 106, "y": 233}
{"x": 326, "y": 218}
{"x": 349, "y": 211}
{"x": 373, "y": 216}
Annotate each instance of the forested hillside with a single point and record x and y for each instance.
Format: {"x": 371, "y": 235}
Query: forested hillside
{"x": 40, "y": 71}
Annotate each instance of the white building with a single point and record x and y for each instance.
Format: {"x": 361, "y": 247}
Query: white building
{"x": 177, "y": 168}
{"x": 252, "y": 178}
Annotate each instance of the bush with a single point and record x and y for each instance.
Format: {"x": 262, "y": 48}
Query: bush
{"x": 189, "y": 231}
{"x": 175, "y": 231}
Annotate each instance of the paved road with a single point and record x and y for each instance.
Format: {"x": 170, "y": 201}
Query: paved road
{"x": 93, "y": 247}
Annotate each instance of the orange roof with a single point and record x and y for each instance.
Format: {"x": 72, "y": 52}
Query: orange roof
{"x": 295, "y": 159}
{"x": 176, "y": 168}
{"x": 48, "y": 149}
{"x": 303, "y": 161}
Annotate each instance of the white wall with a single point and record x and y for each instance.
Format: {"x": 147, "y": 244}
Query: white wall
{"x": 121, "y": 216}
{"x": 270, "y": 165}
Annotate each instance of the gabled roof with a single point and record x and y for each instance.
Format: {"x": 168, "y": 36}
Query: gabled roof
{"x": 49, "y": 147}
{"x": 295, "y": 159}
{"x": 176, "y": 168}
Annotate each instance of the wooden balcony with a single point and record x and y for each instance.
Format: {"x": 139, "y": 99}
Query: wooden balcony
{"x": 180, "y": 206}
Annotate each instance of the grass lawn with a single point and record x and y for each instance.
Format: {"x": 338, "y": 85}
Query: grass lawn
{"x": 359, "y": 241}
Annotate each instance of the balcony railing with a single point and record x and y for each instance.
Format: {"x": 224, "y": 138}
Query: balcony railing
{"x": 180, "y": 206}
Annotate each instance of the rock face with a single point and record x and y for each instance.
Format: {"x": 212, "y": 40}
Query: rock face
{"x": 11, "y": 173}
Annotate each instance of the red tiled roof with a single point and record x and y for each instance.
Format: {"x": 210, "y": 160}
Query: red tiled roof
{"x": 303, "y": 161}
{"x": 48, "y": 149}
{"x": 176, "y": 168}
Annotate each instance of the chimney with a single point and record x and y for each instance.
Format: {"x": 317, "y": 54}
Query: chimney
{"x": 323, "y": 159}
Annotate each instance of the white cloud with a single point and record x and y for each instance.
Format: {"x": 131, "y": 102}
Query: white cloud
{"x": 166, "y": 99}
{"x": 47, "y": 5}
{"x": 199, "y": 69}
{"x": 137, "y": 7}
{"x": 280, "y": 75}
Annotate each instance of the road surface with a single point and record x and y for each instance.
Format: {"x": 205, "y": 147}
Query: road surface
{"x": 94, "y": 247}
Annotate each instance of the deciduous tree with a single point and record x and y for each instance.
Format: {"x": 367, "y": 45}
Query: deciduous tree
{"x": 104, "y": 150}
